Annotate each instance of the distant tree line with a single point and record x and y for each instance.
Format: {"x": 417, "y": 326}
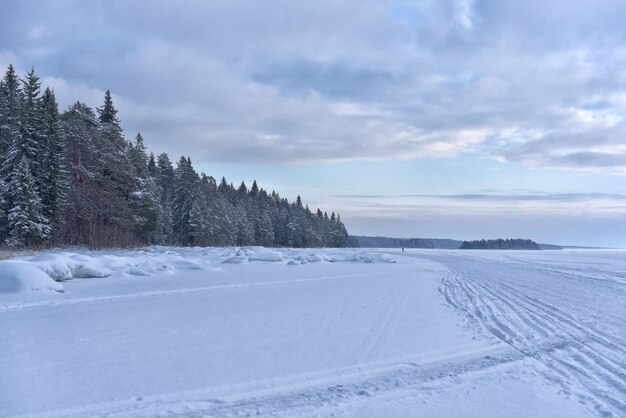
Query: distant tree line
{"x": 500, "y": 244}
{"x": 72, "y": 178}
{"x": 360, "y": 241}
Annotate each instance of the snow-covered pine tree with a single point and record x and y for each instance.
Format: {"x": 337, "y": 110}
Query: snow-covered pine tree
{"x": 144, "y": 200}
{"x": 10, "y": 134}
{"x": 223, "y": 187}
{"x": 26, "y": 223}
{"x": 10, "y": 122}
{"x": 198, "y": 226}
{"x": 227, "y": 229}
{"x": 242, "y": 192}
{"x": 244, "y": 215}
{"x": 337, "y": 234}
{"x": 220, "y": 211}
{"x": 254, "y": 190}
{"x": 280, "y": 219}
{"x": 165, "y": 181}
{"x": 4, "y": 142}
{"x": 32, "y": 144}
{"x": 342, "y": 234}
{"x": 82, "y": 213}
{"x": 215, "y": 213}
{"x": 319, "y": 227}
{"x": 54, "y": 186}
{"x": 316, "y": 239}
{"x": 262, "y": 220}
{"x": 152, "y": 170}
{"x": 185, "y": 190}
{"x": 114, "y": 178}
{"x": 326, "y": 234}
{"x": 245, "y": 231}
{"x": 138, "y": 156}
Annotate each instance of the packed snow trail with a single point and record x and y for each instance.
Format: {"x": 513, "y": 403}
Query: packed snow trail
{"x": 525, "y": 304}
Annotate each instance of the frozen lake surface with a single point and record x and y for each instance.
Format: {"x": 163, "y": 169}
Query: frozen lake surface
{"x": 354, "y": 332}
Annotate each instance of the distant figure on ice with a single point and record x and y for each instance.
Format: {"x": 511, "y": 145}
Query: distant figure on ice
{"x": 402, "y": 249}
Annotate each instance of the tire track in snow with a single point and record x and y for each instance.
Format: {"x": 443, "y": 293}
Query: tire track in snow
{"x": 590, "y": 365}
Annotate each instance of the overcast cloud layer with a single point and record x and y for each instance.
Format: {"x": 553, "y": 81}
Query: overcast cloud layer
{"x": 443, "y": 118}
{"x": 536, "y": 82}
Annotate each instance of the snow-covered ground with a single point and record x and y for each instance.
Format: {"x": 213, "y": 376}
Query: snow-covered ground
{"x": 364, "y": 333}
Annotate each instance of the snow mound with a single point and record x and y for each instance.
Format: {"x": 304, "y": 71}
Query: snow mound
{"x": 61, "y": 265}
{"x": 293, "y": 257}
{"x": 54, "y": 265}
{"x": 18, "y": 277}
{"x": 65, "y": 266}
{"x": 137, "y": 271}
{"x": 364, "y": 257}
{"x": 263, "y": 254}
{"x": 317, "y": 257}
{"x": 236, "y": 259}
{"x": 331, "y": 255}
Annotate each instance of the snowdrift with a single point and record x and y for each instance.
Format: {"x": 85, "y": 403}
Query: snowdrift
{"x": 18, "y": 277}
{"x": 297, "y": 256}
{"x": 69, "y": 266}
{"x": 38, "y": 272}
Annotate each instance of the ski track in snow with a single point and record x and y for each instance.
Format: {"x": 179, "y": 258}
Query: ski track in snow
{"x": 368, "y": 349}
{"x": 423, "y": 372}
{"x": 591, "y": 364}
{"x": 139, "y": 295}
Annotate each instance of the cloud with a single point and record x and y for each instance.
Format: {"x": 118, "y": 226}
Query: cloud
{"x": 500, "y": 197}
{"x": 538, "y": 83}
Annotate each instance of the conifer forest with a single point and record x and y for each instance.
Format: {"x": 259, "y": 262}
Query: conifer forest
{"x": 72, "y": 178}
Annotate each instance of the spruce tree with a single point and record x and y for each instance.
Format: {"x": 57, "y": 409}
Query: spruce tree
{"x": 54, "y": 186}
{"x": 145, "y": 197}
{"x": 242, "y": 191}
{"x": 11, "y": 102}
{"x": 165, "y": 181}
{"x": 32, "y": 144}
{"x": 198, "y": 225}
{"x": 185, "y": 191}
{"x": 254, "y": 190}
{"x": 26, "y": 223}
{"x": 342, "y": 234}
{"x": 245, "y": 231}
{"x": 107, "y": 113}
{"x": 152, "y": 170}
{"x": 83, "y": 212}
{"x": 114, "y": 177}
{"x": 138, "y": 156}
{"x": 223, "y": 187}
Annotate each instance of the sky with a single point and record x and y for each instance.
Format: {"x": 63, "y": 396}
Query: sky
{"x": 460, "y": 119}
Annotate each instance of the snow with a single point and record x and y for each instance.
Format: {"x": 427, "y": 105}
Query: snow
{"x": 65, "y": 266}
{"x": 315, "y": 332}
{"x": 22, "y": 277}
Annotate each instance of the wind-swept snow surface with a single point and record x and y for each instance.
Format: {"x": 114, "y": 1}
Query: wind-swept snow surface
{"x": 254, "y": 331}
